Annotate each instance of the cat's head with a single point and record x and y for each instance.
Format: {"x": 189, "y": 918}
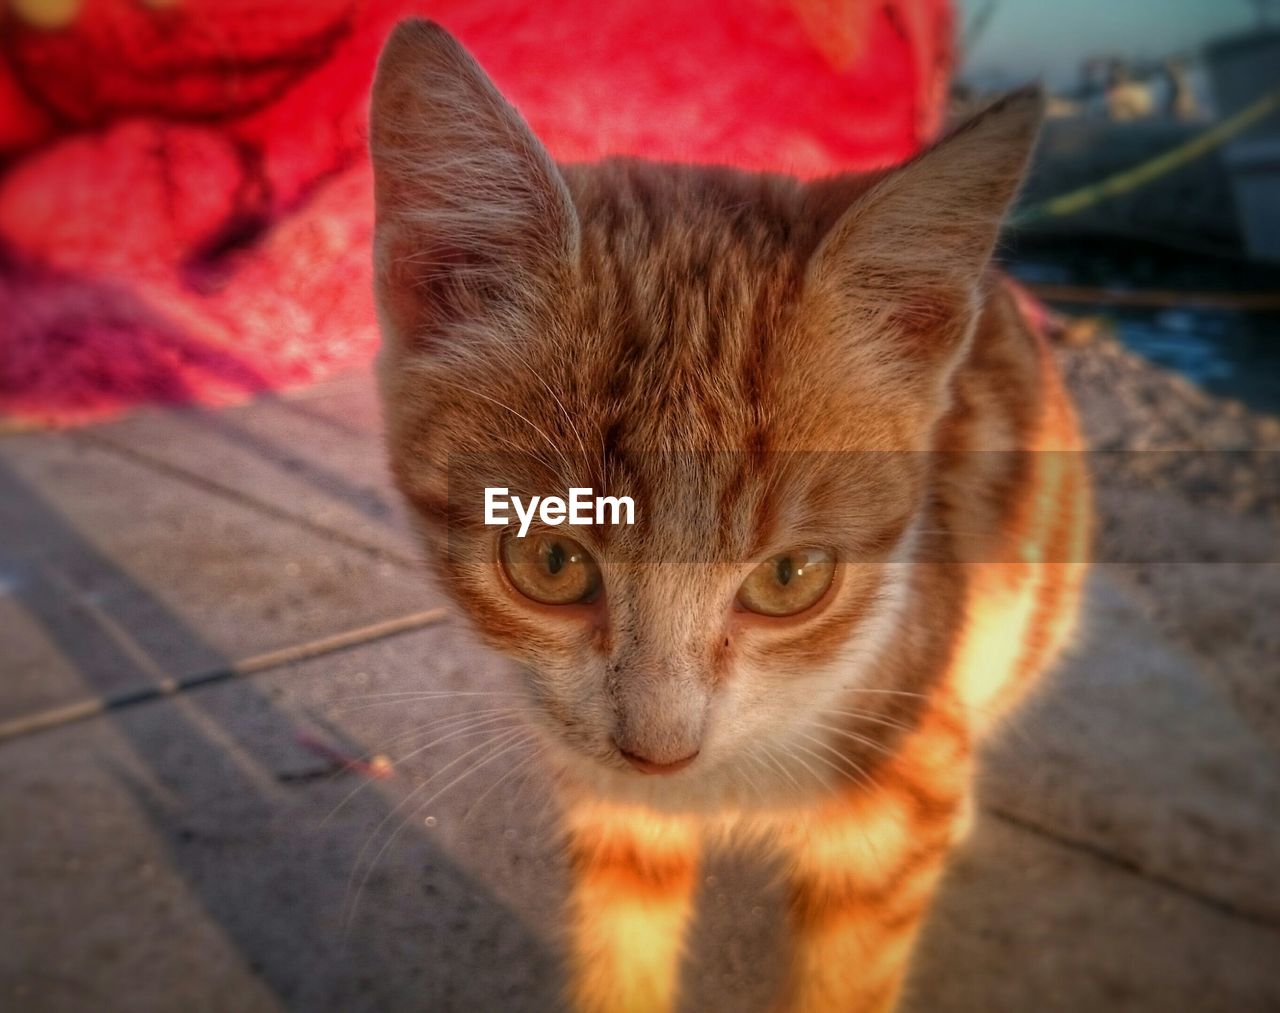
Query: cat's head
{"x": 747, "y": 357}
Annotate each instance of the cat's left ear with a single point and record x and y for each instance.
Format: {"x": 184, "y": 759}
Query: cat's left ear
{"x": 907, "y": 258}
{"x": 474, "y": 222}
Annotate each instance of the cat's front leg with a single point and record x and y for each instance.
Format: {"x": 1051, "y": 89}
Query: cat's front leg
{"x": 862, "y": 879}
{"x": 633, "y": 881}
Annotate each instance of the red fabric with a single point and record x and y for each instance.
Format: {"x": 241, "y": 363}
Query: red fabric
{"x": 184, "y": 200}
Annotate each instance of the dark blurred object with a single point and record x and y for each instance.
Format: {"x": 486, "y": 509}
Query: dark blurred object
{"x": 1193, "y": 206}
{"x": 1242, "y": 67}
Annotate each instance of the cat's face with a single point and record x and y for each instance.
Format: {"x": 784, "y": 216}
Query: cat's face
{"x": 754, "y": 361}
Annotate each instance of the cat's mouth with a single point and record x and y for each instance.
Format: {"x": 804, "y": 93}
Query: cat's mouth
{"x": 647, "y": 766}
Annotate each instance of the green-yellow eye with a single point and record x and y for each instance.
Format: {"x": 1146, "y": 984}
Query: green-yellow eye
{"x": 788, "y": 583}
{"x": 550, "y": 569}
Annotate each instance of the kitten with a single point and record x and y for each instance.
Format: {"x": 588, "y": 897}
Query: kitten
{"x": 847, "y": 556}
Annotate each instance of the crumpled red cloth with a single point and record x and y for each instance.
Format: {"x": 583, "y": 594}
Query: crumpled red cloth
{"x": 185, "y": 206}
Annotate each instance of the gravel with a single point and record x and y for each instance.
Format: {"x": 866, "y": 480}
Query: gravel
{"x": 1188, "y": 485}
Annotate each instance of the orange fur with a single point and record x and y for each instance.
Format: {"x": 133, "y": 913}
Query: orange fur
{"x": 763, "y": 365}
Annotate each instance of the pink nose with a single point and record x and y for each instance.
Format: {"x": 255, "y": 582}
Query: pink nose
{"x": 653, "y": 767}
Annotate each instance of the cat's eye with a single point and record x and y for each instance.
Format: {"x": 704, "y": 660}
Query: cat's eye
{"x": 788, "y": 583}
{"x": 551, "y": 569}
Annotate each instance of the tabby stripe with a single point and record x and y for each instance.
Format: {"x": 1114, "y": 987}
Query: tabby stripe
{"x": 626, "y": 869}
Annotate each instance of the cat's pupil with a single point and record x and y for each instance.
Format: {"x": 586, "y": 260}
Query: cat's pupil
{"x": 784, "y": 571}
{"x": 555, "y": 558}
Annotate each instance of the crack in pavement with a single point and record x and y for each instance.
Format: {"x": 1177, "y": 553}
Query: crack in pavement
{"x": 1134, "y": 868}
{"x": 244, "y": 499}
{"x": 256, "y": 664}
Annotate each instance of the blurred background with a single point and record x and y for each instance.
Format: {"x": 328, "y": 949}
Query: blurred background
{"x": 244, "y": 763}
{"x": 1165, "y": 128}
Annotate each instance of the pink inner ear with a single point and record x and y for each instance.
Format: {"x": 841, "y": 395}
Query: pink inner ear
{"x": 933, "y": 323}
{"x": 400, "y": 303}
{"x": 429, "y": 284}
{"x": 931, "y": 310}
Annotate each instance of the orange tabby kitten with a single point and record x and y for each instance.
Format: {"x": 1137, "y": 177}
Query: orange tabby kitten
{"x": 846, "y": 560}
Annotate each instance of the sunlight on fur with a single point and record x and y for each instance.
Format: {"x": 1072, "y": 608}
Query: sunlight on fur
{"x": 861, "y": 517}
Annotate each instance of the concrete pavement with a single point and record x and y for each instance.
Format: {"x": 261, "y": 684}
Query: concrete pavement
{"x": 189, "y": 850}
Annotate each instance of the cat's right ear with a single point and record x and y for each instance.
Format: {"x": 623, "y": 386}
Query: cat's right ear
{"x": 474, "y": 223}
{"x": 904, "y": 265}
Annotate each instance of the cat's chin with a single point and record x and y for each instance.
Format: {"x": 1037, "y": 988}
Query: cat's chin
{"x": 685, "y": 792}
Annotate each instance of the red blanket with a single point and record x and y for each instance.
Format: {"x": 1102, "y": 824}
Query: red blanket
{"x": 184, "y": 200}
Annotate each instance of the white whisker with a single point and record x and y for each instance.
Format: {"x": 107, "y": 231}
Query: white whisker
{"x": 502, "y": 747}
{"x": 537, "y": 429}
{"x": 854, "y": 736}
{"x": 481, "y": 725}
{"x": 852, "y": 767}
{"x": 355, "y": 868}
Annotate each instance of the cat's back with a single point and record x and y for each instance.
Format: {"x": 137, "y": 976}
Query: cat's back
{"x": 1014, "y": 500}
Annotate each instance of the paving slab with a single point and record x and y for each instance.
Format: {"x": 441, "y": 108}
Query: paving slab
{"x": 1130, "y": 748}
{"x": 1222, "y": 612}
{"x": 209, "y": 850}
{"x": 1024, "y": 923}
{"x": 349, "y": 401}
{"x": 317, "y": 458}
{"x": 193, "y": 853}
{"x": 114, "y": 576}
{"x": 176, "y": 855}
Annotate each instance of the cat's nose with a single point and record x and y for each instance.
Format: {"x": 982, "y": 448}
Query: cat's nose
{"x": 661, "y": 714}
{"x": 647, "y": 766}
